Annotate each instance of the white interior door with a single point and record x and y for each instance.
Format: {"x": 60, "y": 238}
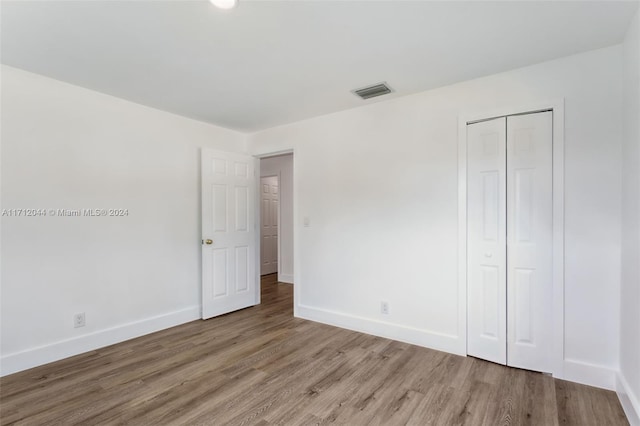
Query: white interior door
{"x": 229, "y": 276}
{"x": 529, "y": 241}
{"x": 486, "y": 240}
{"x": 509, "y": 240}
{"x": 269, "y": 225}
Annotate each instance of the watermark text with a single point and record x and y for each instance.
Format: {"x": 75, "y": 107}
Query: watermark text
{"x": 88, "y": 212}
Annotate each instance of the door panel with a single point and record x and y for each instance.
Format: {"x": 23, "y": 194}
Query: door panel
{"x": 486, "y": 240}
{"x": 529, "y": 241}
{"x": 269, "y": 225}
{"x": 229, "y": 276}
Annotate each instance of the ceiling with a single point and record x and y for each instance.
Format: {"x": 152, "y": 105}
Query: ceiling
{"x": 267, "y": 63}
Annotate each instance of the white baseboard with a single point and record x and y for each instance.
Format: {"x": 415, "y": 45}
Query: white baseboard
{"x": 426, "y": 338}
{"x": 33, "y": 357}
{"x": 285, "y": 278}
{"x": 589, "y": 374}
{"x": 629, "y": 400}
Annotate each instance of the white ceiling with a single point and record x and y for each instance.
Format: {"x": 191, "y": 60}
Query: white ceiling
{"x": 269, "y": 63}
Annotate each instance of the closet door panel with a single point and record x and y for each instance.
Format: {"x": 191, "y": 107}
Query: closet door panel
{"x": 486, "y": 240}
{"x": 529, "y": 241}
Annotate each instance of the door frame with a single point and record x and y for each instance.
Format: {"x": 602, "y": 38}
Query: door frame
{"x": 557, "y": 106}
{"x": 278, "y": 219}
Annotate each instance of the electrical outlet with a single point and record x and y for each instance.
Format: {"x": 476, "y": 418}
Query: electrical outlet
{"x": 79, "y": 320}
{"x": 384, "y": 308}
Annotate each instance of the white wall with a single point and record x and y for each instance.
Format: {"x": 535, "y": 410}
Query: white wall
{"x": 68, "y": 147}
{"x": 379, "y": 185}
{"x": 629, "y": 383}
{"x": 282, "y": 165}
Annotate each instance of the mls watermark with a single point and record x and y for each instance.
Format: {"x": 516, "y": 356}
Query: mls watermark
{"x": 65, "y": 212}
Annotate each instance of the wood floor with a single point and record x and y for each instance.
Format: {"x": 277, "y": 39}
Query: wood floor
{"x": 261, "y": 366}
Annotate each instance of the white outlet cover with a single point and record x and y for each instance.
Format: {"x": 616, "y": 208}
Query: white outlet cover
{"x": 79, "y": 320}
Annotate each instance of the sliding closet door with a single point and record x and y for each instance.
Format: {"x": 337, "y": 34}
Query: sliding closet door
{"x": 529, "y": 241}
{"x": 486, "y": 240}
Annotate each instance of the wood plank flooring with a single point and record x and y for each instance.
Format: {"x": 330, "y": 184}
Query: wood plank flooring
{"x": 261, "y": 366}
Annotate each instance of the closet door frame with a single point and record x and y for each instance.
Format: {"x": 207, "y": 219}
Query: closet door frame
{"x": 557, "y": 107}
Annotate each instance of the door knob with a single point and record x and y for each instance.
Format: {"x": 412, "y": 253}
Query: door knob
{"x": 208, "y": 242}
{"x": 485, "y": 255}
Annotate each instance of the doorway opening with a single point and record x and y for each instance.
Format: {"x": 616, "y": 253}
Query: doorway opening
{"x": 231, "y": 225}
{"x": 276, "y": 216}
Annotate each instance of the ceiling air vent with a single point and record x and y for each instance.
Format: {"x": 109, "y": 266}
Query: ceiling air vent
{"x": 373, "y": 91}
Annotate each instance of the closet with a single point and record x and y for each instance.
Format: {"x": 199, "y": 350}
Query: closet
{"x": 509, "y": 240}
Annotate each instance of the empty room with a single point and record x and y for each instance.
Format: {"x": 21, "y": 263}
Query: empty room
{"x": 305, "y": 212}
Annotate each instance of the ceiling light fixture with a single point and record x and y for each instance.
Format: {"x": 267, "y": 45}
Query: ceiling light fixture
{"x": 224, "y": 4}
